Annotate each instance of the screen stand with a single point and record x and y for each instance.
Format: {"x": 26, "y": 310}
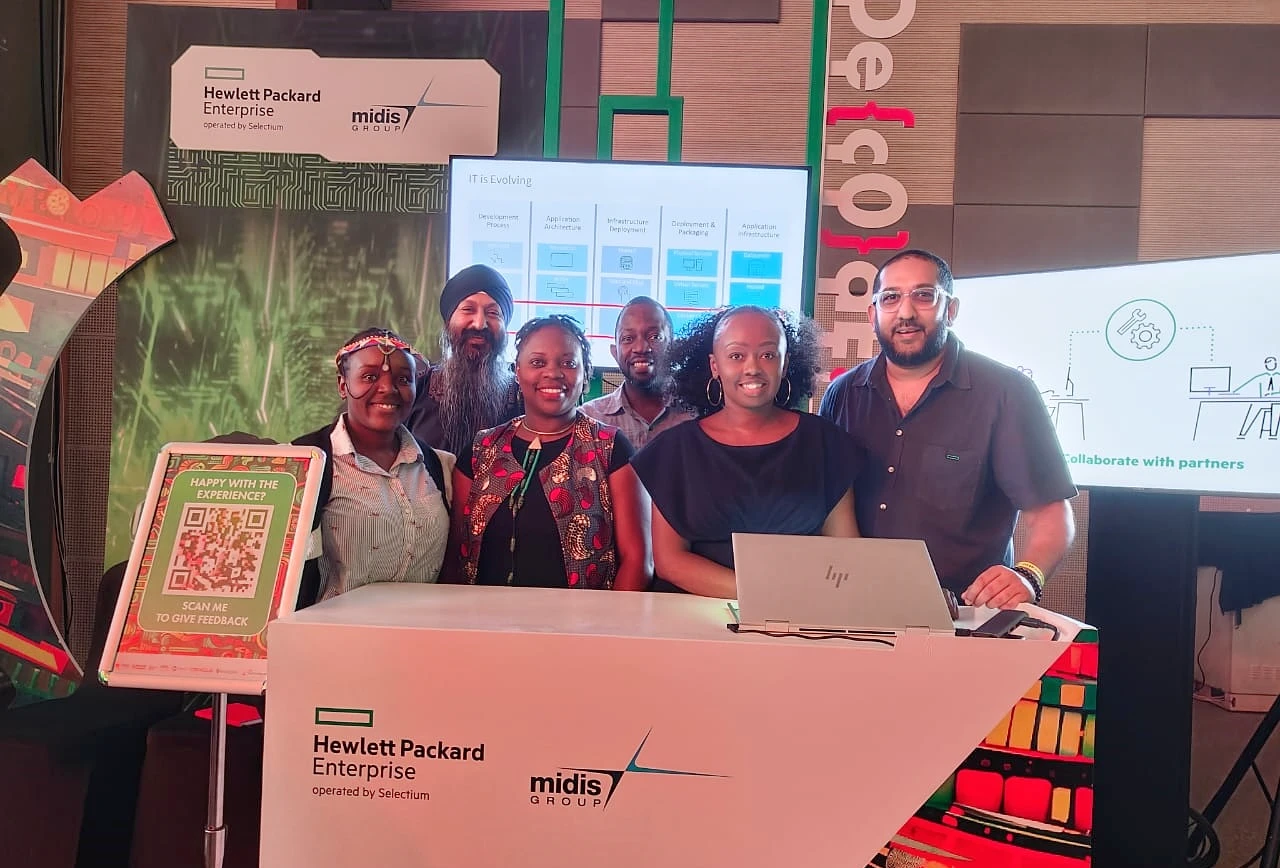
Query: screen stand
{"x": 215, "y": 833}
{"x": 1140, "y": 595}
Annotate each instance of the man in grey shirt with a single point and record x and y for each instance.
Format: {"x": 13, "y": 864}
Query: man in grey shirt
{"x": 638, "y": 408}
{"x": 957, "y": 444}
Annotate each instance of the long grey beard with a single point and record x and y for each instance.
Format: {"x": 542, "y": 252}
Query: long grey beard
{"x": 474, "y": 398}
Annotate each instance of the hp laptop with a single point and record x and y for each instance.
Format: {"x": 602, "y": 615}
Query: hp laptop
{"x": 827, "y": 584}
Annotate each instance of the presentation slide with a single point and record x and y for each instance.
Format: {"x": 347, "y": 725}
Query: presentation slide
{"x": 1157, "y": 376}
{"x": 582, "y": 238}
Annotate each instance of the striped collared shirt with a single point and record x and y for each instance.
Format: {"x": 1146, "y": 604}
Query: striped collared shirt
{"x": 379, "y": 525}
{"x": 614, "y": 409}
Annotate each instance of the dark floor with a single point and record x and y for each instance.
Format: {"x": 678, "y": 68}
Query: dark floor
{"x": 1217, "y": 739}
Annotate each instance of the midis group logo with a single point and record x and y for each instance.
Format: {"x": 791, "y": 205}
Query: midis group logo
{"x": 382, "y": 119}
{"x": 395, "y": 118}
{"x": 576, "y": 787}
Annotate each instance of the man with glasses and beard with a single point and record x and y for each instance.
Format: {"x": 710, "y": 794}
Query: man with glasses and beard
{"x": 957, "y": 444}
{"x": 639, "y": 407}
{"x": 473, "y": 388}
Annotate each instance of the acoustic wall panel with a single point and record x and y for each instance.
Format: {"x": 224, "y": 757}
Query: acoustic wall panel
{"x": 1090, "y": 160}
{"x": 1213, "y": 71}
{"x": 1052, "y": 69}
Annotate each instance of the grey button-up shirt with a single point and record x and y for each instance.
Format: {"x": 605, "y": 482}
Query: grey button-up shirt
{"x": 614, "y": 409}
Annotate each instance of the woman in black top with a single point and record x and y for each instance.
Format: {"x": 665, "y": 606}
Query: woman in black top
{"x": 753, "y": 462}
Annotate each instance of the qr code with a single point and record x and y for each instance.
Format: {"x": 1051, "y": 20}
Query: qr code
{"x": 218, "y": 552}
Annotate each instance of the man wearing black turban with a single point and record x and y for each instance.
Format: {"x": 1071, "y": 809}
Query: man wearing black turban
{"x": 473, "y": 388}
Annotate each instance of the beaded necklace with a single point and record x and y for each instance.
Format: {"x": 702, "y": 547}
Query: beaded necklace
{"x": 527, "y": 466}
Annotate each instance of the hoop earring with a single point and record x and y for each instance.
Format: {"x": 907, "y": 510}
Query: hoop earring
{"x": 714, "y": 402}
{"x": 786, "y": 401}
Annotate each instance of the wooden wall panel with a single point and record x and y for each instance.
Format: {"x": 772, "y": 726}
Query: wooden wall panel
{"x": 1209, "y": 187}
{"x": 926, "y": 60}
{"x": 572, "y": 8}
{"x": 761, "y": 11}
{"x": 466, "y": 5}
{"x": 745, "y": 86}
{"x": 930, "y": 227}
{"x": 628, "y": 57}
{"x": 578, "y": 132}
{"x": 1213, "y": 70}
{"x": 1013, "y": 239}
{"x": 926, "y": 57}
{"x": 1089, "y": 160}
{"x": 1238, "y": 504}
{"x": 580, "y": 86}
{"x": 640, "y": 137}
{"x": 1050, "y": 78}
{"x": 93, "y": 118}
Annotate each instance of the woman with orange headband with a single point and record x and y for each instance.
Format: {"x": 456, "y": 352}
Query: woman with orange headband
{"x": 383, "y": 512}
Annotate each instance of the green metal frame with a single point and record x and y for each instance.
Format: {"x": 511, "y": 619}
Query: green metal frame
{"x": 670, "y": 106}
{"x": 666, "y": 31}
{"x": 661, "y": 103}
{"x": 814, "y": 148}
{"x": 555, "y": 73}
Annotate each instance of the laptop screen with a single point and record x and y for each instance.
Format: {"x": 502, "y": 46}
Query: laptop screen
{"x": 819, "y": 582}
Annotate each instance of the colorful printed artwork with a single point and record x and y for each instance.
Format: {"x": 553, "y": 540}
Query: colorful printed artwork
{"x": 1024, "y": 797}
{"x": 71, "y": 251}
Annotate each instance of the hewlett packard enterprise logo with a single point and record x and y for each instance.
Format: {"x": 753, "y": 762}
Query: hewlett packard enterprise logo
{"x": 579, "y": 787}
{"x": 362, "y": 764}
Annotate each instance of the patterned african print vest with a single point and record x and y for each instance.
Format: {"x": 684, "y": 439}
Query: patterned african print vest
{"x": 577, "y": 489}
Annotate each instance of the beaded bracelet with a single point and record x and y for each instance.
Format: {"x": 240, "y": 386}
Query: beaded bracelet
{"x": 1033, "y": 574}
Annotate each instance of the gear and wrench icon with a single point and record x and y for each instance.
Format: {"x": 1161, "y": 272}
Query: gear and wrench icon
{"x": 1145, "y": 336}
{"x": 1141, "y": 329}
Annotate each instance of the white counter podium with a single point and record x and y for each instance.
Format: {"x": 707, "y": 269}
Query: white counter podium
{"x": 435, "y": 726}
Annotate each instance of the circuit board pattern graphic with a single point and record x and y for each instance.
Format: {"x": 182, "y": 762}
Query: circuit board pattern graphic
{"x": 301, "y": 182}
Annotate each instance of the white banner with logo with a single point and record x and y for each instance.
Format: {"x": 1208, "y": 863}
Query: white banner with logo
{"x": 348, "y": 110}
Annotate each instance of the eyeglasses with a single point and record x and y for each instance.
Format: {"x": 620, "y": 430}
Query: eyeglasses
{"x": 924, "y": 297}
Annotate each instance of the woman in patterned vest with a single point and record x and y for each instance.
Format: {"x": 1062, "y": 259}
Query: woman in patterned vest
{"x": 550, "y": 499}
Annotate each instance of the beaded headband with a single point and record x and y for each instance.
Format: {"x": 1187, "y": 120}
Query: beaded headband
{"x": 384, "y": 341}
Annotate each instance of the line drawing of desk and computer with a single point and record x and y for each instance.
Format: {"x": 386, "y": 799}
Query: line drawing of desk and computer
{"x": 1210, "y": 385}
{"x": 1056, "y": 403}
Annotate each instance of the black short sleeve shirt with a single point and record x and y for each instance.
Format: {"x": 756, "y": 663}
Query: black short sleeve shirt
{"x": 977, "y": 448}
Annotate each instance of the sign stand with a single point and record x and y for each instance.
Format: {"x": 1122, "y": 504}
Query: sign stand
{"x": 217, "y": 557}
{"x": 215, "y": 833}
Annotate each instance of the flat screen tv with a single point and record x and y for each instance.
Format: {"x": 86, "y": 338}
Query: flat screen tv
{"x": 582, "y": 238}
{"x": 1160, "y": 375}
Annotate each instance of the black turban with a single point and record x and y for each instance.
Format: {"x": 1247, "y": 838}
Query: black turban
{"x": 469, "y": 281}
